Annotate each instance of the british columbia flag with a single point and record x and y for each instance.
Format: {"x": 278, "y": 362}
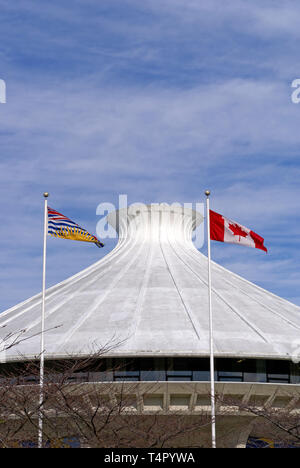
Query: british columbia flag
{"x": 61, "y": 226}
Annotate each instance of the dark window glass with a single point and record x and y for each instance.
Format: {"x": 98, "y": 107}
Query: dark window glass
{"x": 186, "y": 373}
{"x": 127, "y": 374}
{"x": 230, "y": 378}
{"x": 125, "y": 378}
{"x": 230, "y": 370}
{"x": 201, "y": 375}
{"x": 177, "y": 378}
{"x": 162, "y": 369}
{"x": 278, "y": 371}
{"x": 153, "y": 376}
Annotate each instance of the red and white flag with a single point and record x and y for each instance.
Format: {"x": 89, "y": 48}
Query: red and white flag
{"x": 224, "y": 230}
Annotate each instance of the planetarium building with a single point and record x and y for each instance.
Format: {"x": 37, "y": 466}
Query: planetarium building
{"x": 146, "y": 303}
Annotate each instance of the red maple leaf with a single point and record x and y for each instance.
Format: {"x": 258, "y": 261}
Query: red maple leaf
{"x": 237, "y": 230}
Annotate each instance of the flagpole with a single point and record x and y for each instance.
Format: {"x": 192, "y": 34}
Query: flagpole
{"x": 40, "y": 420}
{"x": 212, "y": 367}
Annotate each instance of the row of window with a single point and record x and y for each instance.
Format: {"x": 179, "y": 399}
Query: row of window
{"x": 181, "y": 369}
{"x": 195, "y": 369}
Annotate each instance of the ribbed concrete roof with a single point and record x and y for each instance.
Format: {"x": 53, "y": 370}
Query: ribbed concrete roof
{"x": 150, "y": 294}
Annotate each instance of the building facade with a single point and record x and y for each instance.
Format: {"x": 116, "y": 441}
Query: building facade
{"x": 145, "y": 305}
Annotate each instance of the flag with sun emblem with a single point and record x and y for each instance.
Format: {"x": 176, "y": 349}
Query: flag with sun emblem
{"x": 62, "y": 227}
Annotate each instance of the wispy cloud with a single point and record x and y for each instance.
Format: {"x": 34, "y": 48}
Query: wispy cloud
{"x": 155, "y": 99}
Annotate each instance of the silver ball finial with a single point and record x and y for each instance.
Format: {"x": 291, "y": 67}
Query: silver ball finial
{"x": 46, "y": 194}
{"x": 207, "y": 193}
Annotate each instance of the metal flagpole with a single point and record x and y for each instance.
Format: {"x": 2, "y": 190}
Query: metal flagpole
{"x": 212, "y": 366}
{"x": 40, "y": 432}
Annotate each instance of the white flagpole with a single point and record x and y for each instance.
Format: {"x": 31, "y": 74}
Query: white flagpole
{"x": 40, "y": 432}
{"x": 212, "y": 366}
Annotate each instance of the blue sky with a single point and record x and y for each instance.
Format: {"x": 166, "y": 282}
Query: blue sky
{"x": 156, "y": 99}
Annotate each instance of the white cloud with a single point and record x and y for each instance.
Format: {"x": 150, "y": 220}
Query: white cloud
{"x": 158, "y": 104}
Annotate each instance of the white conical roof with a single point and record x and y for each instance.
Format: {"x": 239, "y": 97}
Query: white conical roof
{"x": 150, "y": 296}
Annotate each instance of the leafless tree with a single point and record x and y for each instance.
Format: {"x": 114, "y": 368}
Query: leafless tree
{"x": 12, "y": 339}
{"x": 280, "y": 425}
{"x": 98, "y": 413}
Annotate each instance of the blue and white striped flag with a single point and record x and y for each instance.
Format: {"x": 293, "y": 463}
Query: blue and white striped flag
{"x": 61, "y": 226}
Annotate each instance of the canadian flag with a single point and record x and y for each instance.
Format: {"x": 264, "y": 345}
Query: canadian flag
{"x": 224, "y": 230}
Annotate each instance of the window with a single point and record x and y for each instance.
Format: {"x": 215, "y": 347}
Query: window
{"x": 179, "y": 369}
{"x": 230, "y": 370}
{"x": 126, "y": 370}
{"x": 278, "y": 371}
